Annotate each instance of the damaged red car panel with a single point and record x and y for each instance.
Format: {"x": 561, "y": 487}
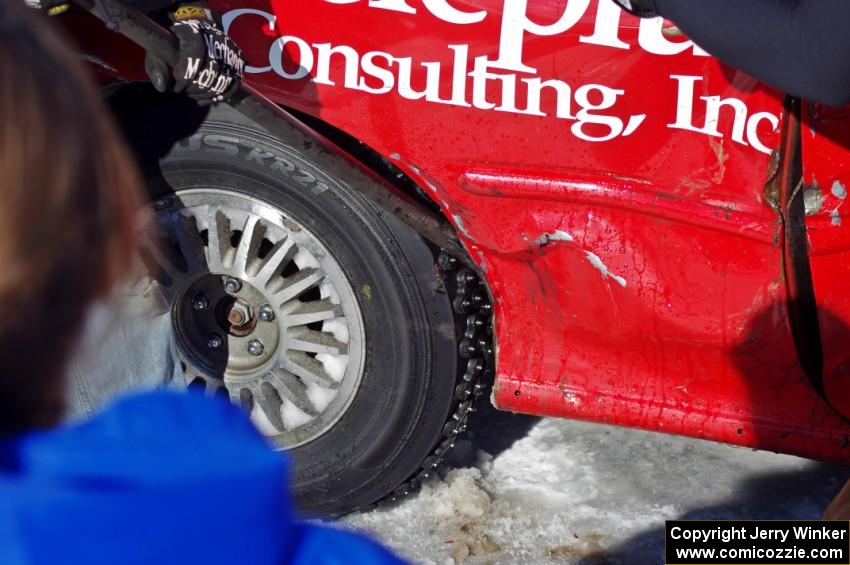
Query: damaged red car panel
{"x": 609, "y": 179}
{"x": 826, "y": 174}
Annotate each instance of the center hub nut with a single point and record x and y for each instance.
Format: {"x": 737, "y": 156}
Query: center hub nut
{"x": 240, "y": 318}
{"x": 236, "y": 317}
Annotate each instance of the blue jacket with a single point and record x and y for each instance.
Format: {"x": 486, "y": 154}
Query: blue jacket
{"x": 159, "y": 479}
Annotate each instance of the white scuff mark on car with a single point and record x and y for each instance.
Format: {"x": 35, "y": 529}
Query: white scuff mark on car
{"x": 483, "y": 264}
{"x": 395, "y": 156}
{"x": 840, "y": 192}
{"x": 596, "y": 261}
{"x": 560, "y": 235}
{"x": 813, "y": 199}
{"x": 557, "y": 235}
{"x": 593, "y": 258}
{"x": 461, "y": 228}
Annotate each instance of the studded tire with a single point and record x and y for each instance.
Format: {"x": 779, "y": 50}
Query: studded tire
{"x": 406, "y": 394}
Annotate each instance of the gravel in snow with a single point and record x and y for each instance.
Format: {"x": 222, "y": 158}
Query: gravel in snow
{"x": 523, "y": 490}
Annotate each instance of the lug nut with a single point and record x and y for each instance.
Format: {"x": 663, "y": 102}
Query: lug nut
{"x": 232, "y": 285}
{"x": 201, "y": 301}
{"x": 255, "y": 347}
{"x": 266, "y": 313}
{"x": 215, "y": 341}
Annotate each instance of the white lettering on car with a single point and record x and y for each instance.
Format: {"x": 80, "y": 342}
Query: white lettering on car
{"x": 500, "y": 83}
{"x": 744, "y": 126}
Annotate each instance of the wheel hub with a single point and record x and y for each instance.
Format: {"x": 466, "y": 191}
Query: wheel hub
{"x": 245, "y": 344}
{"x": 241, "y": 319}
{"x": 262, "y": 312}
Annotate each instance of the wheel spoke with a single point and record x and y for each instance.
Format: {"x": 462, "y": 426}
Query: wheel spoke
{"x": 312, "y": 312}
{"x": 309, "y": 370}
{"x": 249, "y": 244}
{"x": 293, "y": 390}
{"x": 277, "y": 258}
{"x": 241, "y": 397}
{"x": 310, "y": 341}
{"x": 296, "y": 285}
{"x": 269, "y": 402}
{"x": 218, "y": 236}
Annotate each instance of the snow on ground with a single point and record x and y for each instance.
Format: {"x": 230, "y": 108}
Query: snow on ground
{"x": 525, "y": 490}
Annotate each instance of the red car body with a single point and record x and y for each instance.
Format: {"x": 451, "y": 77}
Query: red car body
{"x": 613, "y": 183}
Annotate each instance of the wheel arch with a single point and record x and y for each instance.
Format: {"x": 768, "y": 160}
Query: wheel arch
{"x": 178, "y": 117}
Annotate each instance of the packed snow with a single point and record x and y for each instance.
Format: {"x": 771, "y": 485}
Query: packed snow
{"x": 522, "y": 490}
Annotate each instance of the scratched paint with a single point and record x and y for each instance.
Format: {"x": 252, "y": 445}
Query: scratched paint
{"x": 813, "y": 198}
{"x": 839, "y": 191}
{"x": 460, "y": 227}
{"x": 483, "y": 264}
{"x": 596, "y": 261}
{"x": 557, "y": 235}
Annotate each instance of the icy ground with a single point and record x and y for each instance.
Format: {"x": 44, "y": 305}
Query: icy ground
{"x": 529, "y": 491}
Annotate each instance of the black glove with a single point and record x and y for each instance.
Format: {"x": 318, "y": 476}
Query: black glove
{"x": 210, "y": 66}
{"x": 640, "y": 8}
{"x": 52, "y": 7}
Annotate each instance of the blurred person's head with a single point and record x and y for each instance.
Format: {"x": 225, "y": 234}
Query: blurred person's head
{"x": 68, "y": 196}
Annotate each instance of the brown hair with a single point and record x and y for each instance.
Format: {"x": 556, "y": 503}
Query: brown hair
{"x": 68, "y": 196}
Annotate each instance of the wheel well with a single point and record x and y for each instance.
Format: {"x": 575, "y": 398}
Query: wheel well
{"x": 136, "y": 105}
{"x": 369, "y": 157}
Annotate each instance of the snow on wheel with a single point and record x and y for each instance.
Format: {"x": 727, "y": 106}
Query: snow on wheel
{"x": 326, "y": 319}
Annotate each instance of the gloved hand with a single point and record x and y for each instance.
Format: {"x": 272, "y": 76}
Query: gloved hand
{"x": 211, "y": 65}
{"x": 52, "y": 7}
{"x": 640, "y": 8}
